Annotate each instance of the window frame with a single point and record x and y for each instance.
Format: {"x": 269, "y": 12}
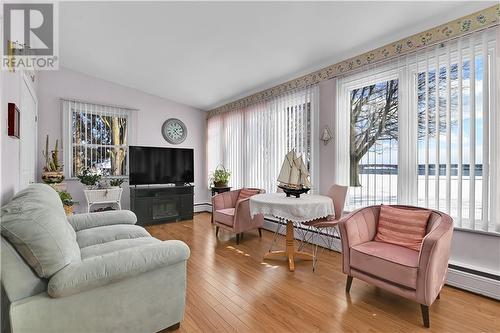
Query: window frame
{"x": 342, "y": 124}
{"x": 67, "y": 112}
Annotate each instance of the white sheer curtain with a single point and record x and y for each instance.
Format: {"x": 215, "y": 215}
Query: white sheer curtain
{"x": 252, "y": 142}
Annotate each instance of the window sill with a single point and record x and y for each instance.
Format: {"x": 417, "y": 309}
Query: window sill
{"x": 481, "y": 232}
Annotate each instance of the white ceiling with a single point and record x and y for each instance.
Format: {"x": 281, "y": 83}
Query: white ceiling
{"x": 206, "y": 54}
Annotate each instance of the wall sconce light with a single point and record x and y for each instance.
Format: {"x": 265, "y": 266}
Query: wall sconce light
{"x": 327, "y": 135}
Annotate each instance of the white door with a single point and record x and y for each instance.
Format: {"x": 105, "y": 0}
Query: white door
{"x": 28, "y": 135}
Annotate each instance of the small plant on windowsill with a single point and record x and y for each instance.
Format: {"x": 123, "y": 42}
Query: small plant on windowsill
{"x": 52, "y": 171}
{"x": 220, "y": 177}
{"x": 89, "y": 178}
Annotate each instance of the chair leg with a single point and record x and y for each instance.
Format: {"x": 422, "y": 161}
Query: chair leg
{"x": 216, "y": 231}
{"x": 315, "y": 257}
{"x": 425, "y": 315}
{"x": 237, "y": 239}
{"x": 260, "y": 232}
{"x": 348, "y": 284}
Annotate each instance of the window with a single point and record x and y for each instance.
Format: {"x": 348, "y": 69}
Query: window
{"x": 454, "y": 131}
{"x": 252, "y": 142}
{"x": 421, "y": 131}
{"x": 98, "y": 137}
{"x": 373, "y": 148}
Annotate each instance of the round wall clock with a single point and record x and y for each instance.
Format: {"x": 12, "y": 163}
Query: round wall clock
{"x": 174, "y": 131}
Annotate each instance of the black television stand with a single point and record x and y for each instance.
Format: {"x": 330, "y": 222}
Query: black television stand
{"x": 160, "y": 204}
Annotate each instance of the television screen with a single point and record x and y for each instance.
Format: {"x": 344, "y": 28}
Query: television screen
{"x": 155, "y": 165}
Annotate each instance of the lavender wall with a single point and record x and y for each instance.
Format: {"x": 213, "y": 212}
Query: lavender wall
{"x": 153, "y": 111}
{"x": 327, "y": 109}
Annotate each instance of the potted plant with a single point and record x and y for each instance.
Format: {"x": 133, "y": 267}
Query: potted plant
{"x": 116, "y": 182}
{"x": 89, "y": 178}
{"x": 52, "y": 171}
{"x": 67, "y": 201}
{"x": 220, "y": 177}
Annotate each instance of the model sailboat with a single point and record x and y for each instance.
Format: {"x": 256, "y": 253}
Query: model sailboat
{"x": 294, "y": 177}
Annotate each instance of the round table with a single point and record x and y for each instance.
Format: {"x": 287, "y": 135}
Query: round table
{"x": 306, "y": 208}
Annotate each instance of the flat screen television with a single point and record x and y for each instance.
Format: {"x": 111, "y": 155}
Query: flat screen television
{"x": 155, "y": 165}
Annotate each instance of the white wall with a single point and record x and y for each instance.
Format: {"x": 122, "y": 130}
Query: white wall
{"x": 153, "y": 111}
{"x": 11, "y": 85}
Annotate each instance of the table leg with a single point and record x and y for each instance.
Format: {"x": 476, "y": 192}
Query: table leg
{"x": 290, "y": 252}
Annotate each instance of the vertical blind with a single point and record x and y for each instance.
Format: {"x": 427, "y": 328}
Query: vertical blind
{"x": 454, "y": 106}
{"x": 447, "y": 138}
{"x": 252, "y": 142}
{"x": 96, "y": 137}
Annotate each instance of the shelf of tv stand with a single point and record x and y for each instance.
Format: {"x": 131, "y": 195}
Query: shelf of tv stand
{"x": 159, "y": 204}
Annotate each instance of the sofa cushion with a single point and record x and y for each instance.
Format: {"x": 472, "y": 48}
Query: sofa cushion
{"x": 390, "y": 262}
{"x": 117, "y": 245}
{"x": 225, "y": 216}
{"x": 34, "y": 222}
{"x": 404, "y": 227}
{"x": 109, "y": 233}
{"x": 247, "y": 193}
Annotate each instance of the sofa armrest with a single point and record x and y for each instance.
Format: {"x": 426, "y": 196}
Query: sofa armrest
{"x": 225, "y": 200}
{"x": 433, "y": 261}
{"x": 99, "y": 219}
{"x": 112, "y": 267}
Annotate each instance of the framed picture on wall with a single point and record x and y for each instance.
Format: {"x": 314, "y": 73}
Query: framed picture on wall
{"x": 13, "y": 121}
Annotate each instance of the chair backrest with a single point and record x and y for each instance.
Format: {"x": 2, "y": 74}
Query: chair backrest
{"x": 338, "y": 194}
{"x": 35, "y": 224}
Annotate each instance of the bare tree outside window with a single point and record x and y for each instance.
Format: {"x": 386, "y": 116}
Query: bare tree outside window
{"x": 374, "y": 118}
{"x": 100, "y": 142}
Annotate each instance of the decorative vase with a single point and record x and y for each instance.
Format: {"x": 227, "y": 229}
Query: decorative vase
{"x": 68, "y": 210}
{"x": 220, "y": 184}
{"x": 52, "y": 177}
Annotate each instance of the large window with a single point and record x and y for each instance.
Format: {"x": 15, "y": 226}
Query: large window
{"x": 252, "y": 142}
{"x": 422, "y": 131}
{"x": 97, "y": 137}
{"x": 373, "y": 149}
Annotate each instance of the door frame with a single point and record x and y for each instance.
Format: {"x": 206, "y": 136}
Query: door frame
{"x": 27, "y": 83}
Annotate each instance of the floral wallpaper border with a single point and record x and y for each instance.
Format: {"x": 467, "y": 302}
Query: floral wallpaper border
{"x": 477, "y": 21}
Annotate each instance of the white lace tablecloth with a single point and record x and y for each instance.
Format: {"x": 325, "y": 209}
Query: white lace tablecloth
{"x": 306, "y": 208}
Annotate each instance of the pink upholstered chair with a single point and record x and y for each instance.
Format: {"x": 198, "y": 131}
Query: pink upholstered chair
{"x": 416, "y": 275}
{"x": 234, "y": 215}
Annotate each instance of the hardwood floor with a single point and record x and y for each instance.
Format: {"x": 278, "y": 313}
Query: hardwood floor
{"x": 230, "y": 288}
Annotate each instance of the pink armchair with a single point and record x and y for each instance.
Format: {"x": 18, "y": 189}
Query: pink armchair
{"x": 416, "y": 275}
{"x": 234, "y": 215}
